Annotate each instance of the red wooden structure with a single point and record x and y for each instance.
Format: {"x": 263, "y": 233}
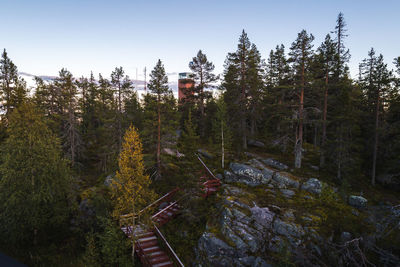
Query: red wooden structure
{"x": 209, "y": 183}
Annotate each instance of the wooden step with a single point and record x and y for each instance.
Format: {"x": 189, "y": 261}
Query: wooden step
{"x": 159, "y": 259}
{"x": 163, "y": 264}
{"x": 145, "y": 234}
{"x": 151, "y": 249}
{"x": 148, "y": 244}
{"x": 148, "y": 238}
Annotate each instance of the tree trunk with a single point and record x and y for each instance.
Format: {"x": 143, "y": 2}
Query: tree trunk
{"x": 119, "y": 117}
{"x": 133, "y": 236}
{"x": 375, "y": 151}
{"x": 299, "y": 137}
{"x": 222, "y": 145}
{"x": 323, "y": 141}
{"x": 159, "y": 138}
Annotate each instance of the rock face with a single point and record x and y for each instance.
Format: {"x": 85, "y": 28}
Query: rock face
{"x": 246, "y": 233}
{"x": 205, "y": 153}
{"x": 275, "y": 164}
{"x": 283, "y": 180}
{"x": 255, "y": 143}
{"x": 247, "y": 175}
{"x": 358, "y": 202}
{"x": 312, "y": 185}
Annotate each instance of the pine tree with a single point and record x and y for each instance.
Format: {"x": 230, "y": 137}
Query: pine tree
{"x": 327, "y": 58}
{"x": 68, "y": 101}
{"x": 277, "y": 96}
{"x": 343, "y": 54}
{"x": 202, "y": 75}
{"x": 122, "y": 87}
{"x": 376, "y": 80}
{"x": 301, "y": 53}
{"x": 158, "y": 86}
{"x": 12, "y": 87}
{"x": 242, "y": 81}
{"x": 130, "y": 187}
{"x": 35, "y": 180}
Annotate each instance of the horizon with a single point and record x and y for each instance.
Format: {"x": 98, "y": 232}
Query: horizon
{"x": 76, "y": 35}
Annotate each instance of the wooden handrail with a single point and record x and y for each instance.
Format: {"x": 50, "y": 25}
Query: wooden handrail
{"x": 172, "y": 253}
{"x": 204, "y": 165}
{"x": 164, "y": 209}
{"x": 152, "y": 204}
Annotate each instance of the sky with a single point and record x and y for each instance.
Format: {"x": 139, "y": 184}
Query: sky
{"x": 41, "y": 37}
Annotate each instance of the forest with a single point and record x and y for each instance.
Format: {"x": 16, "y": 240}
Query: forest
{"x": 76, "y": 153}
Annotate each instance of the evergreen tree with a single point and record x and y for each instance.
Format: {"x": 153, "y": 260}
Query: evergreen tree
{"x": 300, "y": 54}
{"x": 68, "y": 101}
{"x": 277, "y": 96}
{"x": 122, "y": 87}
{"x": 189, "y": 138}
{"x": 242, "y": 81}
{"x": 158, "y": 86}
{"x": 221, "y": 131}
{"x": 12, "y": 87}
{"x": 327, "y": 59}
{"x": 202, "y": 75}
{"x": 35, "y": 181}
{"x": 375, "y": 80}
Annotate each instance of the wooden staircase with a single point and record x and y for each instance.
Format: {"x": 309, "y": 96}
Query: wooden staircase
{"x": 150, "y": 253}
{"x": 166, "y": 214}
{"x": 151, "y": 246}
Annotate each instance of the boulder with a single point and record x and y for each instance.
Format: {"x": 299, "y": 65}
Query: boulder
{"x": 262, "y": 216}
{"x": 345, "y": 236}
{"x": 275, "y": 164}
{"x": 249, "y": 175}
{"x": 313, "y": 185}
{"x": 288, "y": 229}
{"x": 255, "y": 143}
{"x": 108, "y": 180}
{"x": 205, "y": 153}
{"x": 229, "y": 176}
{"x": 288, "y": 193}
{"x": 358, "y": 202}
{"x": 283, "y": 180}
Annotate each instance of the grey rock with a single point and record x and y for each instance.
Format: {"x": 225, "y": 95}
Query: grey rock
{"x": 275, "y": 164}
{"x": 283, "y": 180}
{"x": 255, "y": 143}
{"x": 288, "y": 229}
{"x": 205, "y": 153}
{"x": 262, "y": 216}
{"x": 259, "y": 262}
{"x": 108, "y": 180}
{"x": 358, "y": 202}
{"x": 287, "y": 193}
{"x": 219, "y": 176}
{"x": 248, "y": 175}
{"x": 345, "y": 236}
{"x": 229, "y": 176}
{"x": 313, "y": 185}
{"x": 289, "y": 215}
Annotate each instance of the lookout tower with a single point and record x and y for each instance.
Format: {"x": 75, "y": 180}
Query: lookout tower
{"x": 185, "y": 83}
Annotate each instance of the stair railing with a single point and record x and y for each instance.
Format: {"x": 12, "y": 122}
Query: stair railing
{"x": 168, "y": 247}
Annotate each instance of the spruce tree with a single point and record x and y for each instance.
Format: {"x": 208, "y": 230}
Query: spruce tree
{"x": 35, "y": 182}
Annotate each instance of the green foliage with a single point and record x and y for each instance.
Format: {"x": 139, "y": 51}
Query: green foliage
{"x": 35, "y": 180}
{"x": 189, "y": 139}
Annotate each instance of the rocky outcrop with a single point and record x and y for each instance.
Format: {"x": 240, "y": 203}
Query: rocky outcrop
{"x": 283, "y": 180}
{"x": 275, "y": 164}
{"x": 358, "y": 202}
{"x": 255, "y": 143}
{"x": 247, "y": 175}
{"x": 312, "y": 185}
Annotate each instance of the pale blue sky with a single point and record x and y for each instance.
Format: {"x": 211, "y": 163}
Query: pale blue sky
{"x": 41, "y": 37}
